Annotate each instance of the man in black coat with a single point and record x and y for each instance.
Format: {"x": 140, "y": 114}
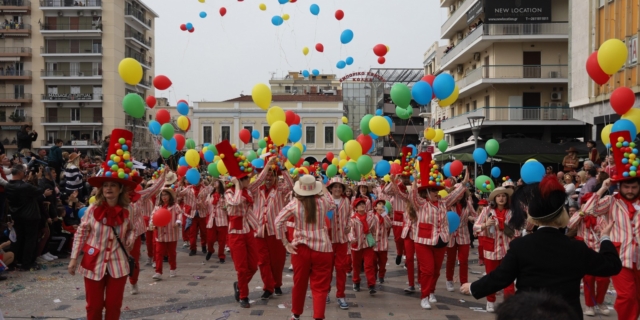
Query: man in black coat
{"x": 25, "y": 137}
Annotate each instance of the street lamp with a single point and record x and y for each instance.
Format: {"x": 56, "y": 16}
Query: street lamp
{"x": 475, "y": 123}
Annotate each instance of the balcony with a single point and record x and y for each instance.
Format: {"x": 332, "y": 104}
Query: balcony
{"x": 457, "y": 20}
{"x": 70, "y": 4}
{"x": 15, "y": 75}
{"x": 407, "y": 129}
{"x": 145, "y": 84}
{"x": 71, "y": 97}
{"x": 138, "y": 39}
{"x": 138, "y": 17}
{"x": 15, "y": 6}
{"x": 70, "y": 143}
{"x": 15, "y": 98}
{"x": 146, "y": 63}
{"x": 517, "y": 116}
{"x": 15, "y": 30}
{"x": 15, "y": 52}
{"x": 71, "y": 75}
{"x": 486, "y": 75}
{"x": 8, "y": 119}
{"x": 53, "y": 51}
{"x": 73, "y": 29}
{"x": 389, "y": 152}
{"x": 484, "y": 35}
{"x": 66, "y": 119}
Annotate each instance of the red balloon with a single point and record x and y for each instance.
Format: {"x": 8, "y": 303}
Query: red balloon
{"x": 381, "y": 60}
{"x": 189, "y": 126}
{"x": 622, "y": 99}
{"x": 594, "y": 70}
{"x": 300, "y": 162}
{"x": 380, "y": 50}
{"x": 163, "y": 116}
{"x": 319, "y": 47}
{"x": 161, "y": 82}
{"x": 151, "y": 101}
{"x": 297, "y": 120}
{"x": 366, "y": 142}
{"x": 183, "y": 27}
{"x": 161, "y": 217}
{"x": 192, "y": 30}
{"x": 182, "y": 100}
{"x": 223, "y": 11}
{"x": 325, "y": 166}
{"x": 339, "y": 14}
{"x": 447, "y": 183}
{"x": 396, "y": 168}
{"x": 245, "y": 136}
{"x": 182, "y": 170}
{"x": 429, "y": 79}
{"x": 330, "y": 156}
{"x": 455, "y": 168}
{"x": 290, "y": 117}
{"x": 180, "y": 141}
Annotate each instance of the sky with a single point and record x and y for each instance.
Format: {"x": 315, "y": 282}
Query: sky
{"x": 227, "y": 56}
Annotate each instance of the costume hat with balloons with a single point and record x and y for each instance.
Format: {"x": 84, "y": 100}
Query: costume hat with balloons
{"x": 430, "y": 176}
{"x": 118, "y": 166}
{"x": 625, "y": 156}
{"x": 406, "y": 161}
{"x": 236, "y": 163}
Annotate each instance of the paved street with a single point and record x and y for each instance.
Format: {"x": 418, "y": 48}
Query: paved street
{"x": 203, "y": 290}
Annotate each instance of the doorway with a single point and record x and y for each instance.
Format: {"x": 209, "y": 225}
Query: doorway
{"x": 531, "y": 105}
{"x": 531, "y": 61}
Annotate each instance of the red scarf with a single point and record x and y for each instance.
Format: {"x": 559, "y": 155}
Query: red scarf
{"x": 111, "y": 216}
{"x": 363, "y": 219}
{"x": 590, "y": 221}
{"x": 630, "y": 208}
{"x": 216, "y": 198}
{"x": 501, "y": 216}
{"x": 165, "y": 205}
{"x": 267, "y": 190}
{"x": 196, "y": 189}
{"x": 402, "y": 187}
{"x": 246, "y": 195}
{"x": 459, "y": 208}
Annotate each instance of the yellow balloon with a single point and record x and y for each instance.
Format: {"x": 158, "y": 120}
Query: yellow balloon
{"x": 343, "y": 155}
{"x": 221, "y": 167}
{"x": 429, "y": 134}
{"x": 305, "y": 51}
{"x": 388, "y": 49}
{"x": 379, "y": 126}
{"x": 262, "y": 6}
{"x": 304, "y": 170}
{"x": 386, "y": 178}
{"x": 92, "y": 200}
{"x": 345, "y": 120}
{"x": 606, "y": 131}
{"x": 443, "y": 193}
{"x": 279, "y": 133}
{"x": 530, "y": 160}
{"x": 397, "y": 161}
{"x": 353, "y": 149}
{"x": 192, "y": 157}
{"x": 288, "y": 165}
{"x": 275, "y": 114}
{"x": 130, "y": 71}
{"x": 439, "y": 135}
{"x": 335, "y": 162}
{"x": 216, "y": 159}
{"x": 612, "y": 55}
{"x": 264, "y": 151}
{"x": 416, "y": 166}
{"x": 285, "y": 17}
{"x": 450, "y": 99}
{"x": 183, "y": 123}
{"x": 299, "y": 146}
{"x": 261, "y": 95}
{"x": 342, "y": 163}
{"x": 634, "y": 116}
{"x": 201, "y": 1}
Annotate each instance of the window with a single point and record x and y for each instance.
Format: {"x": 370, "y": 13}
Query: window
{"x": 226, "y": 133}
{"x": 75, "y": 90}
{"x": 51, "y": 137}
{"x": 265, "y": 131}
{"x": 206, "y": 134}
{"x": 75, "y": 114}
{"x": 250, "y": 128}
{"x": 328, "y": 135}
{"x": 475, "y": 104}
{"x": 19, "y": 112}
{"x": 310, "y": 134}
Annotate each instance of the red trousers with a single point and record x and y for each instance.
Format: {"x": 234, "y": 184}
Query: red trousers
{"x": 349, "y": 261}
{"x": 185, "y": 232}
{"x": 480, "y": 253}
{"x": 595, "y": 285}
{"x": 429, "y": 264}
{"x": 462, "y": 252}
{"x": 271, "y": 258}
{"x": 369, "y": 265}
{"x": 627, "y": 285}
{"x": 380, "y": 264}
{"x": 490, "y": 265}
{"x": 104, "y": 294}
{"x": 168, "y": 249}
{"x": 410, "y": 252}
{"x": 397, "y": 238}
{"x": 150, "y": 241}
{"x": 135, "y": 253}
{"x": 218, "y": 234}
{"x": 197, "y": 224}
{"x": 341, "y": 264}
{"x": 245, "y": 259}
{"x": 315, "y": 267}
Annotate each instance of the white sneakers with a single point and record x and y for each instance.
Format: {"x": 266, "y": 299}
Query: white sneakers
{"x": 450, "y": 286}
{"x": 226, "y": 249}
{"x": 290, "y": 267}
{"x": 432, "y": 298}
{"x": 185, "y": 244}
{"x": 604, "y": 310}
{"x": 149, "y": 261}
{"x": 424, "y": 303}
{"x": 42, "y": 260}
{"x": 134, "y": 289}
{"x": 157, "y": 276}
{"x": 173, "y": 273}
{"x": 48, "y": 254}
{"x": 490, "y": 306}
{"x": 589, "y": 312}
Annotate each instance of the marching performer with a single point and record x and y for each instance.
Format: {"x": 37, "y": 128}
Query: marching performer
{"x": 482, "y": 203}
{"x": 218, "y": 222}
{"x": 340, "y": 228}
{"x": 195, "y": 197}
{"x": 167, "y": 236}
{"x": 460, "y": 242}
{"x": 399, "y": 201}
{"x": 362, "y": 237}
{"x": 382, "y": 239}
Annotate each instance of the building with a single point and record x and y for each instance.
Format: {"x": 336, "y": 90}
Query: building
{"x": 510, "y": 63}
{"x": 431, "y": 64}
{"x": 594, "y": 22}
{"x": 294, "y": 83}
{"x": 64, "y": 59}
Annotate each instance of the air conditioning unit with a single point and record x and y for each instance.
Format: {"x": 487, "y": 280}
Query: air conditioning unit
{"x": 80, "y": 74}
{"x": 459, "y": 35}
{"x": 80, "y": 13}
{"x": 452, "y": 8}
{"x": 59, "y": 13}
{"x": 556, "y": 96}
{"x": 554, "y": 74}
{"x": 460, "y": 69}
{"x": 476, "y": 56}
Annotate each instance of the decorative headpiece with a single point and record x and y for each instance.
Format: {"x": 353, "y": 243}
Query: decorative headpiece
{"x": 625, "y": 155}
{"x": 118, "y": 166}
{"x": 237, "y": 163}
{"x": 430, "y": 176}
{"x": 407, "y": 161}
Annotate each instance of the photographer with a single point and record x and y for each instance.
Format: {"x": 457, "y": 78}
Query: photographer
{"x": 55, "y": 158}
{"x": 25, "y": 137}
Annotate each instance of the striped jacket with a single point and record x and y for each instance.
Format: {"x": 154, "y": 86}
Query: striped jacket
{"x": 170, "y": 232}
{"x": 144, "y": 207}
{"x": 238, "y": 210}
{"x": 340, "y": 225}
{"x": 357, "y": 237}
{"x": 72, "y": 177}
{"x": 196, "y": 203}
{"x": 587, "y": 234}
{"x": 433, "y": 223}
{"x": 398, "y": 200}
{"x": 382, "y": 232}
{"x": 217, "y": 213}
{"x": 275, "y": 201}
{"x": 461, "y": 236}
{"x": 499, "y": 240}
{"x": 316, "y": 235}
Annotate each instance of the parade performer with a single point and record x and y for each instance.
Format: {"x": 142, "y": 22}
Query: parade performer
{"x": 399, "y": 201}
{"x": 167, "y": 237}
{"x": 362, "y": 191}
{"x": 218, "y": 222}
{"x": 340, "y": 228}
{"x": 460, "y": 242}
{"x": 196, "y": 209}
{"x": 482, "y": 203}
{"x": 364, "y": 224}
{"x": 382, "y": 239}
{"x": 310, "y": 249}
{"x": 147, "y": 209}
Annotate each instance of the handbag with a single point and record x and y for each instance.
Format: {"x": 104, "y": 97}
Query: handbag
{"x": 132, "y": 262}
{"x": 370, "y": 240}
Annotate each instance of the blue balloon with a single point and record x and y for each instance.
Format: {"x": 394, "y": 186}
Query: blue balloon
{"x": 295, "y": 133}
{"x": 154, "y": 127}
{"x": 183, "y": 162}
{"x": 346, "y": 36}
{"x": 532, "y": 172}
{"x": 283, "y": 1}
{"x": 325, "y": 179}
{"x": 414, "y": 150}
{"x": 446, "y": 169}
{"x": 330, "y": 214}
{"x": 193, "y": 176}
{"x": 315, "y": 72}
{"x": 170, "y": 145}
{"x": 285, "y": 149}
{"x": 209, "y": 155}
{"x": 378, "y": 112}
{"x": 315, "y": 9}
{"x": 341, "y": 64}
{"x": 277, "y": 20}
{"x": 304, "y": 148}
{"x": 189, "y": 26}
{"x": 255, "y": 134}
{"x": 203, "y": 14}
{"x": 495, "y": 172}
{"x": 443, "y": 86}
{"x": 349, "y": 61}
{"x": 454, "y": 221}
{"x": 421, "y": 92}
{"x": 305, "y": 73}
{"x": 382, "y": 168}
{"x": 625, "y": 125}
{"x": 373, "y": 136}
{"x": 258, "y": 163}
{"x": 411, "y": 178}
{"x": 480, "y": 156}
{"x": 183, "y": 108}
{"x": 81, "y": 212}
{"x": 389, "y": 120}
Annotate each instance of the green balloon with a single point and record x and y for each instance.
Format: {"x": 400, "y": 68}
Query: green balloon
{"x": 213, "y": 148}
{"x": 165, "y": 153}
{"x": 251, "y": 155}
{"x": 352, "y": 171}
{"x": 481, "y": 180}
{"x": 190, "y": 144}
{"x": 404, "y": 113}
{"x": 364, "y": 164}
{"x": 133, "y": 105}
{"x": 294, "y": 155}
{"x": 344, "y": 133}
{"x": 401, "y": 95}
{"x": 305, "y": 164}
{"x": 213, "y": 169}
{"x": 388, "y": 205}
{"x": 262, "y": 143}
{"x": 332, "y": 170}
{"x": 443, "y": 145}
{"x": 364, "y": 124}
{"x": 492, "y": 147}
{"x": 167, "y": 131}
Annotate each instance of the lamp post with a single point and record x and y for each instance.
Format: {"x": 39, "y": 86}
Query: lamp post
{"x": 475, "y": 123}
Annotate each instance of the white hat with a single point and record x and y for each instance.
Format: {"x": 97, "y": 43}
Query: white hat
{"x": 336, "y": 179}
{"x": 170, "y": 179}
{"x": 307, "y": 186}
{"x": 500, "y": 190}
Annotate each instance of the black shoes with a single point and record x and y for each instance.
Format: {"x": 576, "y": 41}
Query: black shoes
{"x": 245, "y": 303}
{"x": 209, "y": 256}
{"x": 204, "y": 249}
{"x": 221, "y": 260}
{"x": 236, "y": 291}
{"x": 356, "y": 287}
{"x": 277, "y": 291}
{"x": 372, "y": 290}
{"x": 266, "y": 295}
{"x": 381, "y": 280}
{"x": 398, "y": 260}
{"x": 192, "y": 253}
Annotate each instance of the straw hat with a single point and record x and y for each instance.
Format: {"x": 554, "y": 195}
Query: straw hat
{"x": 500, "y": 190}
{"x": 307, "y": 186}
{"x": 170, "y": 178}
{"x": 171, "y": 192}
{"x": 336, "y": 179}
{"x": 572, "y": 149}
{"x": 73, "y": 156}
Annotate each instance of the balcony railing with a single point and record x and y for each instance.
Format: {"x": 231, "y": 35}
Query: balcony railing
{"x": 15, "y": 73}
{"x": 138, "y": 37}
{"x": 138, "y": 15}
{"x": 514, "y": 72}
{"x": 15, "y": 27}
{"x": 15, "y": 96}
{"x": 65, "y": 50}
{"x": 72, "y": 96}
{"x": 70, "y": 27}
{"x": 66, "y": 118}
{"x": 140, "y": 58}
{"x": 461, "y": 10}
{"x": 145, "y": 83}
{"x": 15, "y": 51}
{"x": 8, "y": 117}
{"x": 511, "y": 114}
{"x": 15, "y": 3}
{"x": 408, "y": 129}
{"x": 70, "y": 3}
{"x": 47, "y": 73}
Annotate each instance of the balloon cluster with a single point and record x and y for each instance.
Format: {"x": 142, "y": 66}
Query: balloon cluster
{"x": 130, "y": 71}
{"x": 607, "y": 60}
{"x": 189, "y": 26}
{"x": 158, "y": 173}
{"x": 435, "y": 176}
{"x": 381, "y": 51}
{"x": 120, "y": 164}
{"x": 435, "y": 135}
{"x": 453, "y": 169}
{"x": 630, "y": 160}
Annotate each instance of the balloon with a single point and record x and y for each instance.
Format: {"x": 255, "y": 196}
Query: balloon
{"x": 161, "y": 82}
{"x": 401, "y": 95}
{"x": 349, "y": 61}
{"x": 190, "y": 144}
{"x": 381, "y": 60}
{"x": 245, "y": 136}
{"x": 170, "y": 145}
{"x": 305, "y": 51}
{"x": 277, "y": 20}
{"x": 179, "y": 141}
{"x": 345, "y": 120}
{"x": 364, "y": 164}
{"x": 295, "y": 133}
{"x": 130, "y": 71}
{"x": 315, "y": 9}
{"x": 203, "y": 14}
{"x": 251, "y": 155}
{"x": 165, "y": 153}
{"x": 189, "y": 26}
{"x": 275, "y": 114}
{"x": 339, "y": 14}
{"x": 456, "y": 168}
{"x": 428, "y": 79}
{"x": 332, "y": 170}
{"x": 382, "y": 168}
{"x": 492, "y": 146}
{"x": 255, "y": 134}
{"x": 183, "y": 27}
{"x": 380, "y": 50}
{"x": 429, "y": 134}
{"x": 421, "y": 92}
{"x": 379, "y": 126}
{"x": 192, "y": 157}
{"x": 454, "y": 221}
{"x": 261, "y": 95}
{"x": 604, "y": 135}
{"x": 353, "y": 149}
{"x": 283, "y": 1}
{"x": 183, "y": 108}
{"x": 446, "y": 169}
{"x": 443, "y": 145}
{"x": 364, "y": 124}
{"x": 532, "y": 172}
{"x": 223, "y": 11}
{"x": 495, "y": 172}
{"x": 404, "y": 113}
{"x": 289, "y": 116}
{"x": 81, "y": 212}
{"x": 221, "y": 167}
{"x": 443, "y": 86}
{"x": 293, "y": 155}
{"x": 344, "y": 133}
{"x": 167, "y": 131}
{"x": 480, "y": 156}
{"x": 262, "y": 143}
{"x": 192, "y": 30}
{"x": 213, "y": 170}
{"x": 262, "y": 7}
{"x": 378, "y": 112}
{"x": 341, "y": 64}
{"x": 315, "y": 72}
{"x": 622, "y": 100}
{"x": 366, "y": 142}
{"x": 279, "y": 133}
{"x": 439, "y": 135}
{"x": 161, "y": 217}
{"x": 625, "y": 125}
{"x": 183, "y": 123}
{"x": 151, "y": 102}
{"x": 193, "y": 176}
{"x": 481, "y": 183}
{"x": 133, "y": 105}
{"x": 352, "y": 171}
{"x": 285, "y": 17}
{"x": 451, "y": 99}
{"x": 208, "y": 156}
{"x": 182, "y": 162}
{"x": 594, "y": 70}
{"x": 612, "y": 56}
{"x": 319, "y": 48}
{"x": 258, "y": 163}
{"x": 163, "y": 116}
{"x": 346, "y": 36}
{"x": 305, "y": 73}
{"x": 154, "y": 127}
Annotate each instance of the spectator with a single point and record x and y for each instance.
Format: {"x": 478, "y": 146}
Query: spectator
{"x": 560, "y": 176}
{"x": 570, "y": 161}
{"x": 72, "y": 175}
{"x": 26, "y": 136}
{"x": 105, "y": 144}
{"x": 55, "y": 158}
{"x": 590, "y": 185}
{"x": 535, "y": 306}
{"x": 600, "y": 178}
{"x": 58, "y": 234}
{"x": 594, "y": 156}
{"x": 42, "y": 155}
{"x": 588, "y": 165}
{"x": 569, "y": 189}
{"x": 549, "y": 170}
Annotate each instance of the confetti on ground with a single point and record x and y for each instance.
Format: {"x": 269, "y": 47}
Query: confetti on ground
{"x": 462, "y": 301}
{"x": 18, "y": 287}
{"x": 281, "y": 306}
{"x": 476, "y": 272}
{"x": 57, "y": 301}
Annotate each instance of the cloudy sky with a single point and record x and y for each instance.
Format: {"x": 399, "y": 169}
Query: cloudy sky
{"x": 226, "y": 56}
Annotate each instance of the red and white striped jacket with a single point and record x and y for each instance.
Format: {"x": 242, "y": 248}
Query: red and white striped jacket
{"x": 217, "y": 213}
{"x": 625, "y": 234}
{"x": 498, "y": 238}
{"x": 196, "y": 203}
{"x": 259, "y": 201}
{"x": 433, "y": 223}
{"x": 239, "y": 212}
{"x": 313, "y": 235}
{"x": 382, "y": 232}
{"x": 357, "y": 237}
{"x": 399, "y": 199}
{"x": 461, "y": 236}
{"x": 275, "y": 201}
{"x": 144, "y": 207}
{"x": 588, "y": 229}
{"x": 101, "y": 248}
{"x": 170, "y": 232}
{"x": 340, "y": 225}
